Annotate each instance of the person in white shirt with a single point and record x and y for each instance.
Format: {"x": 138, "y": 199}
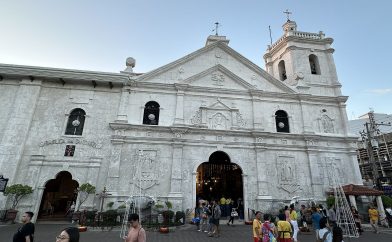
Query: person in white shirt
{"x": 324, "y": 233}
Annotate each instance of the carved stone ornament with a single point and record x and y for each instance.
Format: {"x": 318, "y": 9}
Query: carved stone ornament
{"x": 218, "y": 116}
{"x": 179, "y": 132}
{"x": 218, "y": 79}
{"x": 327, "y": 124}
{"x": 287, "y": 174}
{"x": 145, "y": 169}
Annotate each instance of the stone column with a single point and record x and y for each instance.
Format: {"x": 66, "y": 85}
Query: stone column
{"x": 343, "y": 118}
{"x": 175, "y": 195}
{"x": 262, "y": 176}
{"x": 38, "y": 198}
{"x": 256, "y": 111}
{"x": 381, "y": 210}
{"x": 122, "y": 114}
{"x": 316, "y": 174}
{"x": 246, "y": 197}
{"x": 352, "y": 201}
{"x": 18, "y": 126}
{"x": 114, "y": 166}
{"x": 307, "y": 127}
{"x": 179, "y": 108}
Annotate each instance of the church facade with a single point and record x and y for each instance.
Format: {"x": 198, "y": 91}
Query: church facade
{"x": 285, "y": 127}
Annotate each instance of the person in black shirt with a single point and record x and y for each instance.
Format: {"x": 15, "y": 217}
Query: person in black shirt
{"x": 26, "y": 232}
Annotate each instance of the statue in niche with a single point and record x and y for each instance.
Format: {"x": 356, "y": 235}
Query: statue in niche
{"x": 218, "y": 121}
{"x": 287, "y": 173}
{"x": 327, "y": 124}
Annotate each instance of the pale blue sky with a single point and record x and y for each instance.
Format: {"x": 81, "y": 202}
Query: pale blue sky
{"x": 99, "y": 35}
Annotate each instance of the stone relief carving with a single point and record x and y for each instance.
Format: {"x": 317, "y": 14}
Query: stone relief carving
{"x": 327, "y": 124}
{"x": 218, "y": 116}
{"x": 287, "y": 174}
{"x": 179, "y": 132}
{"x": 240, "y": 121}
{"x": 196, "y": 119}
{"x": 145, "y": 169}
{"x": 180, "y": 73}
{"x": 218, "y": 121}
{"x": 217, "y": 78}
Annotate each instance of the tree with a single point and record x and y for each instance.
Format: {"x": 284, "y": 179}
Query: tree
{"x": 17, "y": 192}
{"x": 84, "y": 191}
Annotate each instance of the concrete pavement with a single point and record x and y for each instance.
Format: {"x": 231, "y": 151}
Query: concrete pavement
{"x": 186, "y": 233}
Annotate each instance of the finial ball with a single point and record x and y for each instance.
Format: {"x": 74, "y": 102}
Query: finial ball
{"x": 130, "y": 62}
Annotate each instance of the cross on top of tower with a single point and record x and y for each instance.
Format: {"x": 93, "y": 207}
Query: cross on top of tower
{"x": 216, "y": 28}
{"x": 288, "y": 14}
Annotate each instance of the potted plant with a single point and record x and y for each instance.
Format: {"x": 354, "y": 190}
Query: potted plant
{"x": 16, "y": 192}
{"x": 168, "y": 215}
{"x": 83, "y": 192}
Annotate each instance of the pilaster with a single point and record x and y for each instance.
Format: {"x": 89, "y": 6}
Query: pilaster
{"x": 122, "y": 116}
{"x": 18, "y": 126}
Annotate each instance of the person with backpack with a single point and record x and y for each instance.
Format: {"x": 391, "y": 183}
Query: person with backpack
{"x": 216, "y": 214}
{"x": 267, "y": 230}
{"x": 316, "y": 217}
{"x": 324, "y": 234}
{"x": 284, "y": 229}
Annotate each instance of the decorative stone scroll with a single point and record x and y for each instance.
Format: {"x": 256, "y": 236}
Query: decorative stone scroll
{"x": 218, "y": 79}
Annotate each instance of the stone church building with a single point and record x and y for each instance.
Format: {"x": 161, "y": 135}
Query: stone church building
{"x": 207, "y": 125}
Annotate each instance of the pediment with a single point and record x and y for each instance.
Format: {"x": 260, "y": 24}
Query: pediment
{"x": 208, "y": 66}
{"x": 218, "y": 77}
{"x": 218, "y": 105}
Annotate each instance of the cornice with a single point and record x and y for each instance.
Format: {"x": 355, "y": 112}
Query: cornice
{"x": 57, "y": 73}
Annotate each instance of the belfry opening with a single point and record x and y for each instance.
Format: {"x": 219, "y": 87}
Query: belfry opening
{"x": 218, "y": 178}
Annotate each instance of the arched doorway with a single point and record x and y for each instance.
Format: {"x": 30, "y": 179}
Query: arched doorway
{"x": 218, "y": 178}
{"x": 58, "y": 196}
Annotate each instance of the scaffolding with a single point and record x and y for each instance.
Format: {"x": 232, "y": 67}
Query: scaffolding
{"x": 344, "y": 217}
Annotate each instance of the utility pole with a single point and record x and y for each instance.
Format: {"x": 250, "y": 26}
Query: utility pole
{"x": 370, "y": 138}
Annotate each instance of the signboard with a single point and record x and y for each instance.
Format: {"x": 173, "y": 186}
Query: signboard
{"x": 3, "y": 183}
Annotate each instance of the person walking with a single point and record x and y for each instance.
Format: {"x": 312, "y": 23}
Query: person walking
{"x": 233, "y": 214}
{"x": 204, "y": 217}
{"x": 337, "y": 234}
{"x": 256, "y": 227}
{"x": 324, "y": 234}
{"x": 198, "y": 213}
{"x": 216, "y": 214}
{"x": 25, "y": 233}
{"x": 284, "y": 229}
{"x": 316, "y": 216}
{"x": 293, "y": 220}
{"x": 70, "y": 234}
{"x": 357, "y": 219}
{"x": 136, "y": 232}
{"x": 267, "y": 229}
{"x": 332, "y": 216}
{"x": 373, "y": 216}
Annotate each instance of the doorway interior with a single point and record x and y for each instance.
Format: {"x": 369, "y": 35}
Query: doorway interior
{"x": 59, "y": 195}
{"x": 218, "y": 178}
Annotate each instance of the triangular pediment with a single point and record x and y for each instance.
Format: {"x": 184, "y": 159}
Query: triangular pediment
{"x": 204, "y": 67}
{"x": 218, "y": 105}
{"x": 218, "y": 77}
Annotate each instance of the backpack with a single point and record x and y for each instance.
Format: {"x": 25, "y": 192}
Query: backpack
{"x": 324, "y": 237}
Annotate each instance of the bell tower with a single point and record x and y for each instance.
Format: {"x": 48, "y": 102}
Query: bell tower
{"x": 304, "y": 61}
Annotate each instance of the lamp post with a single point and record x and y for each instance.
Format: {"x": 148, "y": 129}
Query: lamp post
{"x": 102, "y": 195}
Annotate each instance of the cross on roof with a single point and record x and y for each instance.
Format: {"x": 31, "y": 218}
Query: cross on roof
{"x": 288, "y": 14}
{"x": 216, "y": 28}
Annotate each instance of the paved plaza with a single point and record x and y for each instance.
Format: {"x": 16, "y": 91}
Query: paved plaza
{"x": 187, "y": 233}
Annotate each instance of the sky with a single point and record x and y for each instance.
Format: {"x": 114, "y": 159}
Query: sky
{"x": 100, "y": 35}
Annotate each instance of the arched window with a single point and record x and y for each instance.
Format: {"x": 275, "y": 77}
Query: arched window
{"x": 151, "y": 113}
{"x": 314, "y": 65}
{"x": 282, "y": 70}
{"x": 282, "y": 121}
{"x": 76, "y": 122}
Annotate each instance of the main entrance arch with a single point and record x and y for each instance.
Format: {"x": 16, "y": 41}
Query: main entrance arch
{"x": 218, "y": 178}
{"x": 58, "y": 196}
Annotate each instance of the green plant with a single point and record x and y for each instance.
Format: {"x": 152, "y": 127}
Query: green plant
{"x": 167, "y": 216}
{"x": 122, "y": 206}
{"x": 84, "y": 191}
{"x": 330, "y": 201}
{"x": 17, "y": 192}
{"x": 386, "y": 201}
{"x": 110, "y": 204}
{"x": 169, "y": 205}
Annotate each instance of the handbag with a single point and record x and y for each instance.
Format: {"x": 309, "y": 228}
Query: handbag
{"x": 234, "y": 214}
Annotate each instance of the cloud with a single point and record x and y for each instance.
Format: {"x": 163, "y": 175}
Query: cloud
{"x": 382, "y": 91}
